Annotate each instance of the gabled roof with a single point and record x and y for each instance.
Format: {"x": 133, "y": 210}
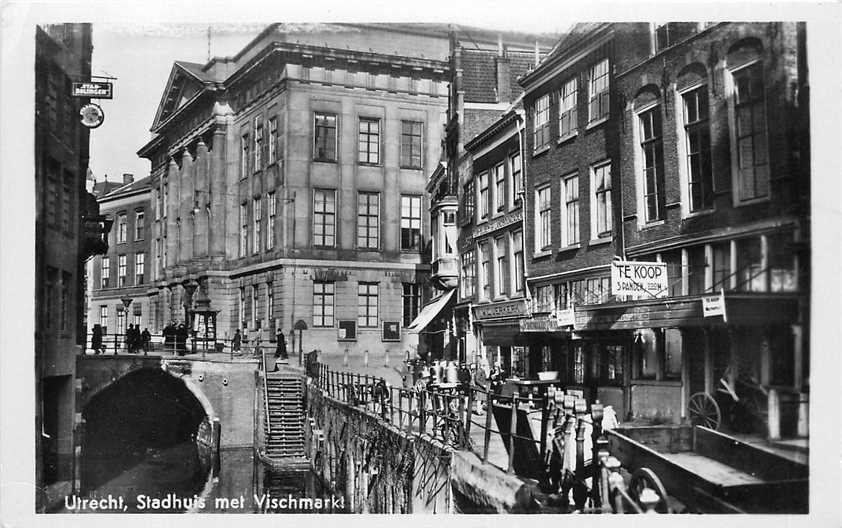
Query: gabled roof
{"x": 187, "y": 80}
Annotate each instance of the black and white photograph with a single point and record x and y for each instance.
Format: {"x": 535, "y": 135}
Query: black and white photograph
{"x": 429, "y": 265}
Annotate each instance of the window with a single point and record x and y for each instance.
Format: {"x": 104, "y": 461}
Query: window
{"x": 139, "y": 267}
{"x": 105, "y": 272}
{"x": 543, "y": 237}
{"x": 258, "y": 143}
{"x": 121, "y": 320}
{"x": 270, "y": 225}
{"x": 257, "y": 217}
{"x": 483, "y": 195}
{"x": 570, "y": 211}
{"x": 485, "y": 271}
{"x": 103, "y": 318}
{"x": 468, "y": 201}
{"x": 121, "y": 271}
{"x": 323, "y": 304}
{"x": 652, "y": 148}
{"x": 516, "y": 184}
{"x": 273, "y": 140}
{"x": 499, "y": 188}
{"x": 242, "y": 307}
{"x": 410, "y": 222}
{"x": 367, "y": 304}
{"x": 244, "y": 156}
{"x": 368, "y": 220}
{"x": 501, "y": 273}
{"x": 324, "y": 217}
{"x": 253, "y": 307}
{"x": 469, "y": 274}
{"x": 601, "y": 195}
{"x": 697, "y": 141}
{"x": 517, "y": 264}
{"x": 750, "y": 131}
{"x": 369, "y": 141}
{"x": 138, "y": 225}
{"x": 324, "y": 137}
{"x": 696, "y": 265}
{"x": 121, "y": 228}
{"x": 721, "y": 266}
{"x": 541, "y": 123}
{"x": 750, "y": 265}
{"x": 244, "y": 229}
{"x": 411, "y": 301}
{"x": 567, "y": 109}
{"x": 598, "y": 97}
{"x": 64, "y": 301}
{"x": 411, "y": 144}
{"x": 543, "y": 301}
{"x": 270, "y": 302}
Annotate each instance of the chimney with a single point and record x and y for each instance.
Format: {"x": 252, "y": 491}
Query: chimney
{"x": 128, "y": 178}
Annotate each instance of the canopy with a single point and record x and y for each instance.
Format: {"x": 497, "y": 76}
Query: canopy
{"x": 429, "y": 312}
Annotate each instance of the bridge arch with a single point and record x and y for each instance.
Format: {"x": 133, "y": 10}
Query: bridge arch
{"x": 146, "y": 412}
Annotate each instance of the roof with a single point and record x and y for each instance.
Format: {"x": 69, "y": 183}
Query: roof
{"x": 142, "y": 184}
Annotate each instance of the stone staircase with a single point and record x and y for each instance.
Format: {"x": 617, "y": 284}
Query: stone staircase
{"x": 285, "y": 437}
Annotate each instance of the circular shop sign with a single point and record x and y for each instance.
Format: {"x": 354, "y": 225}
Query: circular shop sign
{"x": 91, "y": 115}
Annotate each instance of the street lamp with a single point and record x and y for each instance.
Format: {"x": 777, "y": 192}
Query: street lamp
{"x": 127, "y": 301}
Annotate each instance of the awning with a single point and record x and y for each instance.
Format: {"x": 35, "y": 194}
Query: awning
{"x": 429, "y": 312}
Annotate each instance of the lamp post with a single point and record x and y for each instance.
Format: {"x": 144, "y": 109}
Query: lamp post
{"x": 127, "y": 301}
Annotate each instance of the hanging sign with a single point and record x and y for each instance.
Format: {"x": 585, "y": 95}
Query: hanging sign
{"x": 92, "y": 89}
{"x": 715, "y": 305}
{"x": 641, "y": 280}
{"x": 91, "y": 115}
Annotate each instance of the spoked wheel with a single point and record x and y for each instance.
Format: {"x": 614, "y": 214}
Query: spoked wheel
{"x": 646, "y": 478}
{"x": 704, "y": 411}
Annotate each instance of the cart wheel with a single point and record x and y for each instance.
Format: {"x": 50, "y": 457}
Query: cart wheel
{"x": 704, "y": 410}
{"x": 646, "y": 478}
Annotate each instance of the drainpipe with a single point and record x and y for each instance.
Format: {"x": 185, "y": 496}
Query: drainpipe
{"x": 521, "y": 123}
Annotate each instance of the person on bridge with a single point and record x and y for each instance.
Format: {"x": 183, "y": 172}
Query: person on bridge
{"x": 96, "y": 339}
{"x": 281, "y": 346}
{"x": 236, "y": 342}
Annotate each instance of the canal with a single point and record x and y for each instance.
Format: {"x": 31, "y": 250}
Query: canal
{"x": 173, "y": 480}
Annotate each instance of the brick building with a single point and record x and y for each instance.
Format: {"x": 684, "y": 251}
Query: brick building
{"x": 123, "y": 272}
{"x": 484, "y": 68}
{"x": 288, "y": 184}
{"x": 666, "y": 149}
{"x": 68, "y": 230}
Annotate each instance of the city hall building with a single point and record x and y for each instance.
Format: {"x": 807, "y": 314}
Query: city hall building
{"x": 288, "y": 186}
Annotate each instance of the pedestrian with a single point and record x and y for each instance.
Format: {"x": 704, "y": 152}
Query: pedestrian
{"x": 237, "y": 341}
{"x": 145, "y": 340}
{"x": 96, "y": 339}
{"x": 281, "y": 345}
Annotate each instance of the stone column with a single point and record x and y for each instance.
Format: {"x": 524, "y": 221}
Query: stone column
{"x": 201, "y": 216}
{"x": 218, "y": 191}
{"x": 186, "y": 206}
{"x": 172, "y": 212}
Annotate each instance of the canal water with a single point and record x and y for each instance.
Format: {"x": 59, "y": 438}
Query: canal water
{"x": 173, "y": 480}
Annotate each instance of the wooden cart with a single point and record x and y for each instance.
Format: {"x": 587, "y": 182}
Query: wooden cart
{"x": 705, "y": 471}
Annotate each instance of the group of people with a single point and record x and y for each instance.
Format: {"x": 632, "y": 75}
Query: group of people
{"x": 175, "y": 338}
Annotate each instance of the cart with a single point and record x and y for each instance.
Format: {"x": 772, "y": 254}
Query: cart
{"x": 699, "y": 470}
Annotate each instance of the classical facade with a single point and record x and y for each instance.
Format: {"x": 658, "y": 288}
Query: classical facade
{"x": 288, "y": 185}
{"x": 121, "y": 275}
{"x": 68, "y": 230}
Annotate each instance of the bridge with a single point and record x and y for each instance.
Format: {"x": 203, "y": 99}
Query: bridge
{"x": 129, "y": 404}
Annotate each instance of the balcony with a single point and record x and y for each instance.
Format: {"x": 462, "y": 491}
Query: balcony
{"x": 446, "y": 271}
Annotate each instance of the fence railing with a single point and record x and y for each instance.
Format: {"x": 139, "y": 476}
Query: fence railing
{"x": 469, "y": 417}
